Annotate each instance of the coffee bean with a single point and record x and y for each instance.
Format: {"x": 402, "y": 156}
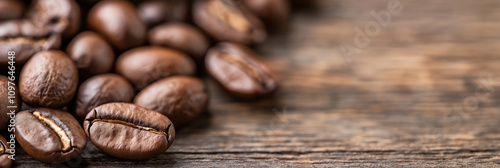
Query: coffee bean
{"x": 5, "y": 161}
{"x": 228, "y": 20}
{"x": 119, "y": 23}
{"x": 7, "y": 89}
{"x": 129, "y": 131}
{"x": 11, "y": 9}
{"x": 49, "y": 79}
{"x": 49, "y": 135}
{"x": 99, "y": 90}
{"x": 180, "y": 36}
{"x": 238, "y": 69}
{"x": 154, "y": 12}
{"x": 145, "y": 65}
{"x": 180, "y": 98}
{"x": 61, "y": 16}
{"x": 25, "y": 39}
{"x": 273, "y": 12}
{"x": 91, "y": 54}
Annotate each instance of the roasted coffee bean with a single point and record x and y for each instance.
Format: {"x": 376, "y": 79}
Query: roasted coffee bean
{"x": 49, "y": 135}
{"x": 119, "y": 23}
{"x": 5, "y": 161}
{"x": 99, "y": 90}
{"x": 61, "y": 16}
{"x": 271, "y": 11}
{"x": 228, "y": 20}
{"x": 25, "y": 39}
{"x": 49, "y": 79}
{"x": 154, "y": 12}
{"x": 180, "y": 36}
{"x": 91, "y": 54}
{"x": 129, "y": 131}
{"x": 180, "y": 98}
{"x": 145, "y": 65}
{"x": 11, "y": 9}
{"x": 7, "y": 89}
{"x": 238, "y": 69}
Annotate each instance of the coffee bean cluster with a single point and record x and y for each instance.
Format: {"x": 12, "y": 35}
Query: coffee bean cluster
{"x": 124, "y": 73}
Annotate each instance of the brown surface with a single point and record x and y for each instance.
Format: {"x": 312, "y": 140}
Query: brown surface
{"x": 389, "y": 107}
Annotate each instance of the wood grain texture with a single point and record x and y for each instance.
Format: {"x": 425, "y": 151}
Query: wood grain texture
{"x": 391, "y": 106}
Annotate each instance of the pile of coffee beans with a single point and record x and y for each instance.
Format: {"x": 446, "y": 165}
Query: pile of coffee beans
{"x": 123, "y": 73}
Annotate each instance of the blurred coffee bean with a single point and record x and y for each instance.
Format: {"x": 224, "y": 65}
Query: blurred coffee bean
{"x": 180, "y": 98}
{"x": 49, "y": 79}
{"x": 8, "y": 88}
{"x": 11, "y": 9}
{"x": 271, "y": 11}
{"x": 119, "y": 23}
{"x": 128, "y": 131}
{"x": 60, "y": 16}
{"x": 5, "y": 161}
{"x": 145, "y": 65}
{"x": 154, "y": 12}
{"x": 25, "y": 39}
{"x": 180, "y": 36}
{"x": 50, "y": 135}
{"x": 91, "y": 54}
{"x": 101, "y": 89}
{"x": 240, "y": 71}
{"x": 228, "y": 20}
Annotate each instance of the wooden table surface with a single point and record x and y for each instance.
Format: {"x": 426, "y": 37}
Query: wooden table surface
{"x": 424, "y": 92}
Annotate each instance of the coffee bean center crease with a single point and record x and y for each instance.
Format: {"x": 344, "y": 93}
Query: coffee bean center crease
{"x": 63, "y": 137}
{"x": 131, "y": 125}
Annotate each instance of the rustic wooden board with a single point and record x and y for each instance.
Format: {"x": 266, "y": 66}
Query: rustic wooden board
{"x": 391, "y": 106}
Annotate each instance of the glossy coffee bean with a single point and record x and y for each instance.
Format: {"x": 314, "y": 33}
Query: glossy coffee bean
{"x": 61, "y": 16}
{"x": 49, "y": 79}
{"x": 181, "y": 36}
{"x": 129, "y": 131}
{"x": 228, "y": 20}
{"x": 101, "y": 89}
{"x": 49, "y": 135}
{"x": 119, "y": 23}
{"x": 270, "y": 11}
{"x": 145, "y": 65}
{"x": 8, "y": 89}
{"x": 153, "y": 12}
{"x": 91, "y": 54}
{"x": 11, "y": 9}
{"x": 180, "y": 98}
{"x": 5, "y": 161}
{"x": 25, "y": 39}
{"x": 240, "y": 71}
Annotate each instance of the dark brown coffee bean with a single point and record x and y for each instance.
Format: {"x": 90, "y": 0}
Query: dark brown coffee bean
{"x": 118, "y": 22}
{"x": 154, "y": 12}
{"x": 180, "y": 98}
{"x": 180, "y": 36}
{"x": 271, "y": 11}
{"x": 91, "y": 54}
{"x": 129, "y": 131}
{"x": 101, "y": 89}
{"x": 49, "y": 135}
{"x": 25, "y": 39}
{"x": 10, "y": 97}
{"x": 145, "y": 65}
{"x": 49, "y": 79}
{"x": 238, "y": 69}
{"x": 5, "y": 161}
{"x": 61, "y": 16}
{"x": 228, "y": 20}
{"x": 11, "y": 9}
